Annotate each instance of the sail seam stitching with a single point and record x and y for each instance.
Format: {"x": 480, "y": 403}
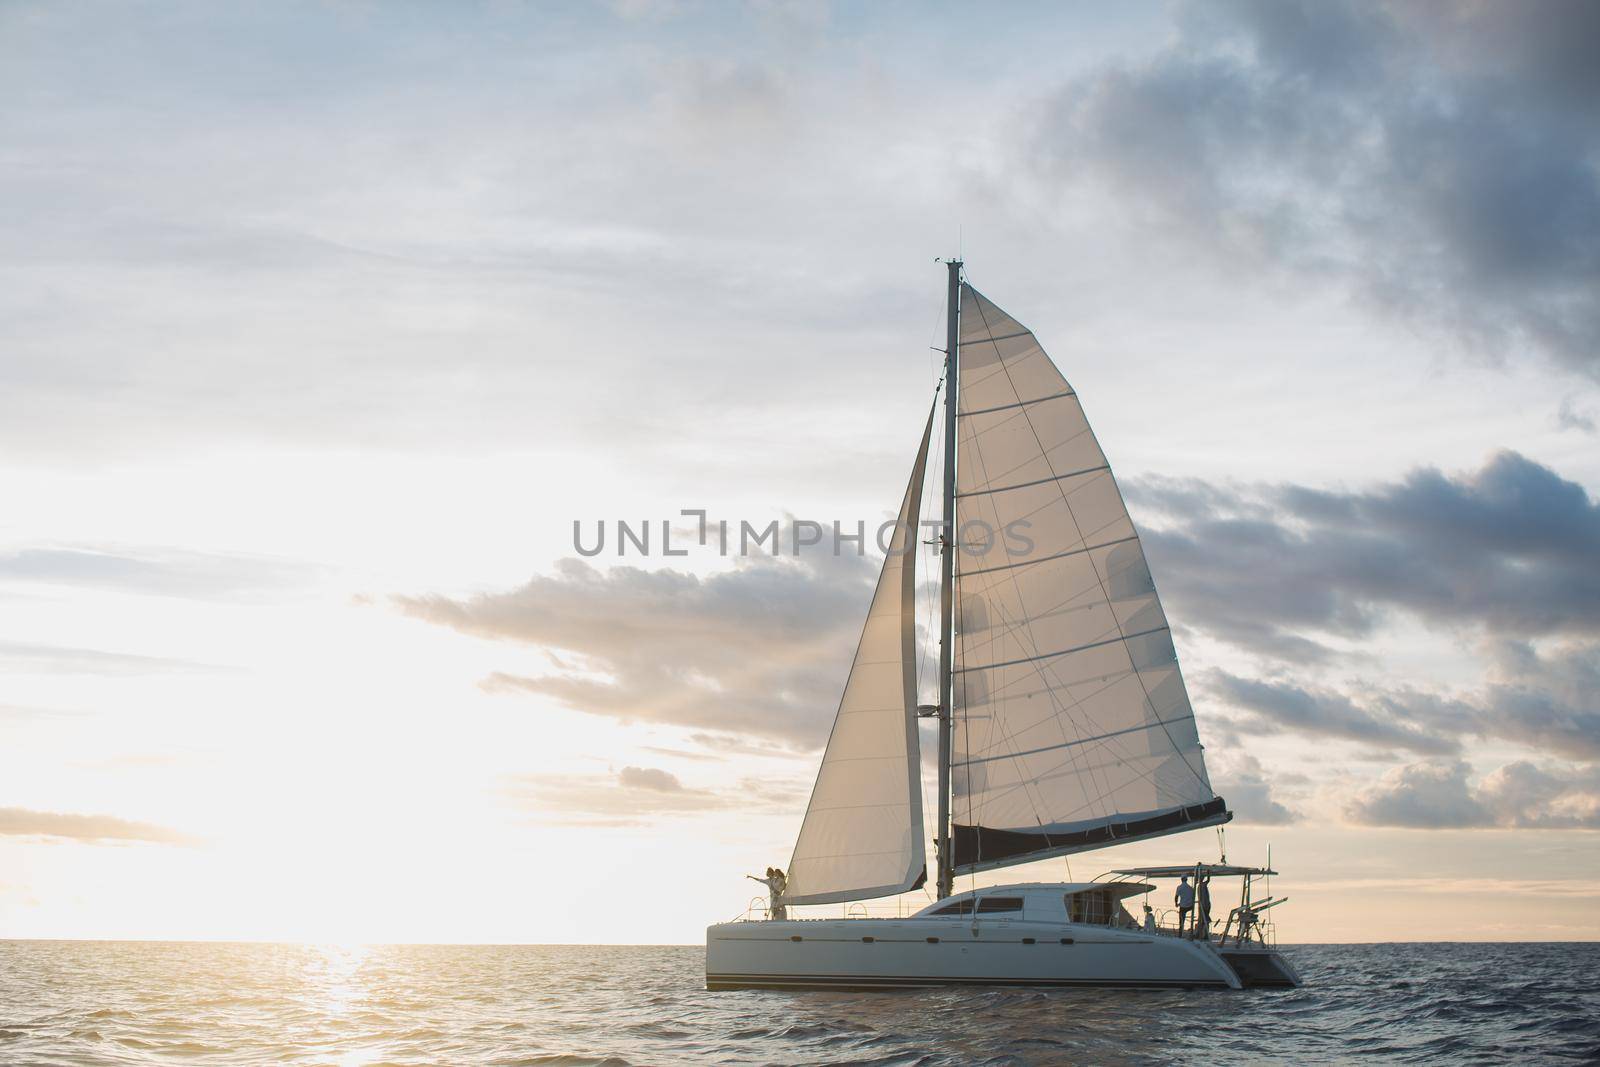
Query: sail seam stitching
{"x": 1003, "y": 337}
{"x": 1018, "y": 404}
{"x": 1040, "y": 481}
{"x": 1064, "y": 652}
{"x": 1070, "y": 744}
{"x": 1047, "y": 559}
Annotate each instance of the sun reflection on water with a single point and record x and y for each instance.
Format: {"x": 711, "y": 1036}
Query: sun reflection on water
{"x": 333, "y": 976}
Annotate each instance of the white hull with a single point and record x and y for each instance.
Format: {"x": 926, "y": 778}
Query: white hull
{"x": 920, "y": 952}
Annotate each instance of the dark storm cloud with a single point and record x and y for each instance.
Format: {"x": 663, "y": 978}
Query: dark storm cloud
{"x": 1511, "y": 548}
{"x": 94, "y": 829}
{"x": 1521, "y": 795}
{"x": 761, "y": 649}
{"x": 1438, "y": 160}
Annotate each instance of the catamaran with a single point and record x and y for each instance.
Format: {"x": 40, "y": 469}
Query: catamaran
{"x": 1063, "y": 725}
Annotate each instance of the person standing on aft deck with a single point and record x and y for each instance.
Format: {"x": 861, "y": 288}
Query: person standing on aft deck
{"x": 1149, "y": 920}
{"x": 1184, "y": 899}
{"x": 1202, "y": 915}
{"x": 776, "y": 883}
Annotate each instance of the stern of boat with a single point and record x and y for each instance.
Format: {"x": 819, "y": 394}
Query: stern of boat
{"x": 1260, "y": 968}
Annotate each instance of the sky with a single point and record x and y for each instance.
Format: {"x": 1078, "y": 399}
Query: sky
{"x": 325, "y": 323}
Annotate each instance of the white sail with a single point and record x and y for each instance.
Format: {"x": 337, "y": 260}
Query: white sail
{"x": 1072, "y": 727}
{"x": 862, "y": 834}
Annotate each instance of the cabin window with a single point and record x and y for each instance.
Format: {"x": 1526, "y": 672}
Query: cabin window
{"x": 1091, "y": 906}
{"x": 1097, "y": 907}
{"x": 986, "y": 906}
{"x": 993, "y": 904}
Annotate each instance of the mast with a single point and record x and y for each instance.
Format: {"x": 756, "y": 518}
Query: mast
{"x": 947, "y": 559}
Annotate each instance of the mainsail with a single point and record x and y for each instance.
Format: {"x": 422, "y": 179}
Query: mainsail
{"x": 1072, "y": 727}
{"x": 862, "y": 834}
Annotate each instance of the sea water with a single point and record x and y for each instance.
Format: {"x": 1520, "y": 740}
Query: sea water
{"x": 66, "y": 1002}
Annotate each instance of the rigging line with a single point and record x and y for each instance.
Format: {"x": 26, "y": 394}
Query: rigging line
{"x": 935, "y": 367}
{"x": 926, "y": 557}
{"x": 1073, "y": 516}
{"x": 935, "y": 370}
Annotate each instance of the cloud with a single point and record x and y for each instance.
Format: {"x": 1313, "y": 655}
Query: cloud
{"x": 760, "y": 649}
{"x": 1436, "y": 160}
{"x": 306, "y": 261}
{"x": 1504, "y": 555}
{"x": 1283, "y": 706}
{"x": 90, "y": 829}
{"x": 1521, "y": 795}
{"x": 684, "y": 754}
{"x": 650, "y": 778}
{"x": 162, "y": 572}
{"x": 1549, "y": 699}
{"x": 57, "y": 659}
{"x": 1509, "y": 547}
{"x": 636, "y": 795}
{"x": 1422, "y": 795}
{"x": 1570, "y": 417}
{"x": 1243, "y": 782}
{"x": 1549, "y": 702}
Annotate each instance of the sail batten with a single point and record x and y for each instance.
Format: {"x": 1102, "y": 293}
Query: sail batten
{"x": 862, "y": 832}
{"x": 1073, "y": 729}
{"x": 1036, "y": 481}
{"x": 1019, "y": 404}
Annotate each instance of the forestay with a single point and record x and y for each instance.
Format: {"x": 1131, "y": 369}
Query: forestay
{"x": 1072, "y": 726}
{"x": 862, "y": 834}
